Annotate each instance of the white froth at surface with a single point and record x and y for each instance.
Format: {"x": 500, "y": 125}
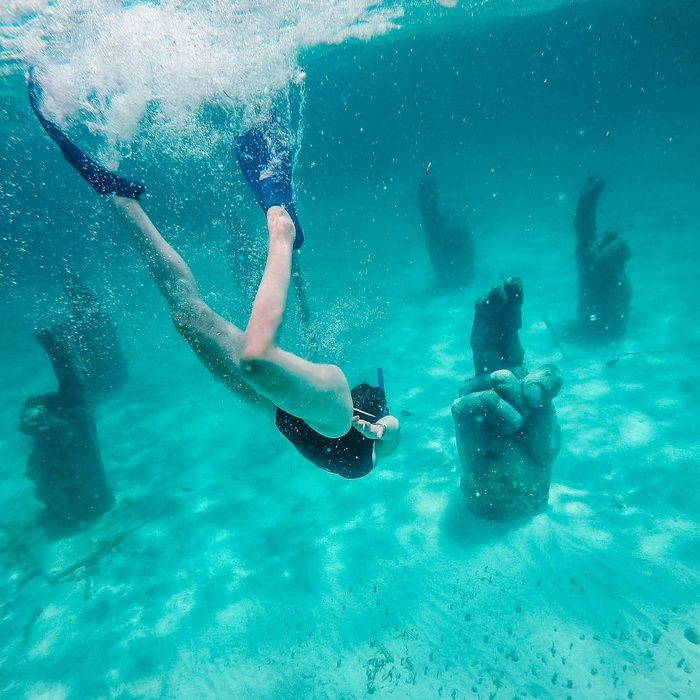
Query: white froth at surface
{"x": 108, "y": 63}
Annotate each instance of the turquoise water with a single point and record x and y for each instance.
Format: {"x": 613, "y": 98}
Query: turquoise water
{"x": 231, "y": 567}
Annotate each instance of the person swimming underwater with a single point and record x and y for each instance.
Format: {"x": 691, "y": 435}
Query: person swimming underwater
{"x": 312, "y": 404}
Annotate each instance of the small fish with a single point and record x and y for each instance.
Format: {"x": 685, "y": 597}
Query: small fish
{"x": 428, "y": 167}
{"x": 406, "y": 413}
{"x": 614, "y": 505}
{"x": 612, "y": 363}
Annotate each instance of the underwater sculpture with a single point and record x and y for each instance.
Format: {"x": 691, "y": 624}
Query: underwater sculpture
{"x": 451, "y": 248}
{"x": 93, "y": 337}
{"x": 604, "y": 291}
{"x": 65, "y": 463}
{"x": 508, "y": 435}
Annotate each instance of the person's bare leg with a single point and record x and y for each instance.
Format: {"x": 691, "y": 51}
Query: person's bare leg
{"x": 250, "y": 364}
{"x": 216, "y": 342}
{"x": 319, "y": 394}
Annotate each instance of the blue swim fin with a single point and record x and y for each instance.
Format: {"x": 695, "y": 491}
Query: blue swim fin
{"x": 264, "y": 155}
{"x": 98, "y": 177}
{"x": 380, "y": 378}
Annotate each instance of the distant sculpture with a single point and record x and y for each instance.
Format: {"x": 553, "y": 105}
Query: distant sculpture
{"x": 604, "y": 291}
{"x": 450, "y": 247}
{"x": 65, "y": 463}
{"x": 93, "y": 337}
{"x": 508, "y": 435}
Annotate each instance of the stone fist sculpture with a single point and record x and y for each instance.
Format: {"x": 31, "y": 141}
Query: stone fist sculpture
{"x": 507, "y": 431}
{"x": 604, "y": 291}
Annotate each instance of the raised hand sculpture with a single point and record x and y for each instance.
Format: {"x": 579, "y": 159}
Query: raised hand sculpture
{"x": 507, "y": 431}
{"x": 65, "y": 463}
{"x": 604, "y": 290}
{"x": 450, "y": 247}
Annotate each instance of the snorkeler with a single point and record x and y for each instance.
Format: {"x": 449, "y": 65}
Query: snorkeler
{"x": 313, "y": 405}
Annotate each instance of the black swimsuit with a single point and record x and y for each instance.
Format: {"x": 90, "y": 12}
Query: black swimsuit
{"x": 349, "y": 456}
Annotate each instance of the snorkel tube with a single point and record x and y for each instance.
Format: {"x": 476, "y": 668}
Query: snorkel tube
{"x": 380, "y": 384}
{"x": 371, "y": 398}
{"x": 380, "y": 378}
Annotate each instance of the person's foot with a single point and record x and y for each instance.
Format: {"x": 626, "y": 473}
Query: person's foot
{"x": 98, "y": 177}
{"x": 497, "y": 319}
{"x": 280, "y": 225}
{"x": 264, "y": 155}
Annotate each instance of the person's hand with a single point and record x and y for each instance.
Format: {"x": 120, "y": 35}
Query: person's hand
{"x": 369, "y": 430}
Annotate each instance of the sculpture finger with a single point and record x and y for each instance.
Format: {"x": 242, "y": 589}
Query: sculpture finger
{"x": 541, "y": 386}
{"x": 488, "y": 411}
{"x": 497, "y": 319}
{"x": 481, "y": 382}
{"x": 507, "y": 386}
{"x": 542, "y": 436}
{"x": 613, "y": 251}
